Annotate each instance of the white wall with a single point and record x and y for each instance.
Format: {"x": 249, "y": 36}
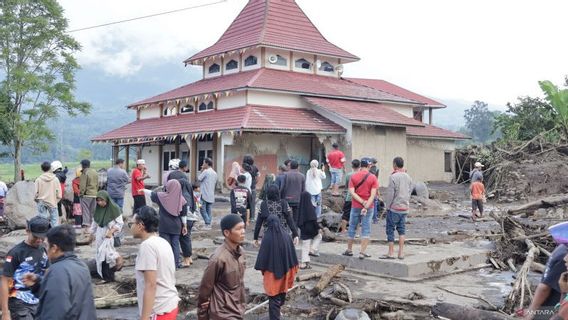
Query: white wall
{"x": 283, "y": 53}
{"x": 406, "y": 110}
{"x": 234, "y": 100}
{"x": 208, "y": 64}
{"x": 150, "y": 112}
{"x": 152, "y": 157}
{"x": 276, "y": 99}
{"x": 426, "y": 159}
{"x": 254, "y": 52}
{"x": 333, "y": 61}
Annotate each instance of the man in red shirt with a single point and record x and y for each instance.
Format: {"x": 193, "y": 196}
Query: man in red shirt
{"x": 363, "y": 187}
{"x": 335, "y": 159}
{"x": 138, "y": 176}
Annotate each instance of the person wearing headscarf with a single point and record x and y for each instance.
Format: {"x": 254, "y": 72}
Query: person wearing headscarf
{"x": 309, "y": 229}
{"x": 279, "y": 208}
{"x": 222, "y": 289}
{"x": 314, "y": 179}
{"x": 236, "y": 171}
{"x": 187, "y": 193}
{"x": 107, "y": 221}
{"x": 278, "y": 263}
{"x": 173, "y": 215}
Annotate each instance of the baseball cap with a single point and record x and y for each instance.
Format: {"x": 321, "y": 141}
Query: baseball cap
{"x": 365, "y": 161}
{"x": 38, "y": 226}
{"x": 479, "y": 165}
{"x": 140, "y": 161}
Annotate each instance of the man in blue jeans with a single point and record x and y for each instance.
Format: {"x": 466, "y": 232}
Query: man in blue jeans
{"x": 363, "y": 187}
{"x": 397, "y": 198}
{"x": 208, "y": 180}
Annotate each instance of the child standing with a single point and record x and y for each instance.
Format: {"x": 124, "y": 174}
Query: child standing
{"x": 477, "y": 197}
{"x": 241, "y": 199}
{"x": 77, "y": 213}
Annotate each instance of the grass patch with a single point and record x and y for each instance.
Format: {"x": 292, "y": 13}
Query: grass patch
{"x": 32, "y": 171}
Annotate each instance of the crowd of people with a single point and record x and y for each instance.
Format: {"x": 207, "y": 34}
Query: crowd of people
{"x": 290, "y": 211}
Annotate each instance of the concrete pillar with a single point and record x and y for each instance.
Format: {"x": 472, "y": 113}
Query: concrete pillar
{"x": 430, "y": 116}
{"x": 127, "y": 157}
{"x": 139, "y": 152}
{"x": 193, "y": 159}
{"x": 160, "y": 163}
{"x": 115, "y": 151}
{"x": 176, "y": 147}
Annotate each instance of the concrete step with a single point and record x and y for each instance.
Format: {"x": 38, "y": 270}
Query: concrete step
{"x": 420, "y": 262}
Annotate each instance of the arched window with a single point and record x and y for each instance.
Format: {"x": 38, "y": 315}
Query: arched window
{"x": 327, "y": 67}
{"x": 214, "y": 68}
{"x": 251, "y": 61}
{"x": 187, "y": 109}
{"x": 202, "y": 106}
{"x": 210, "y": 105}
{"x": 303, "y": 64}
{"x": 281, "y": 61}
{"x": 165, "y": 112}
{"x": 233, "y": 64}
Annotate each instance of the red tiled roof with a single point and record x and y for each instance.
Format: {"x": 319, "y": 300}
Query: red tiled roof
{"x": 369, "y": 112}
{"x": 396, "y": 90}
{"x": 273, "y": 23}
{"x": 278, "y": 80}
{"x": 248, "y": 118}
{"x": 429, "y": 131}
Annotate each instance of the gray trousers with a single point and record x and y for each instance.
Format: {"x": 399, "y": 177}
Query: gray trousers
{"x": 88, "y": 206}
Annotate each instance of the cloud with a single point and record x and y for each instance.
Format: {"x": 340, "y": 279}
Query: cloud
{"x": 484, "y": 50}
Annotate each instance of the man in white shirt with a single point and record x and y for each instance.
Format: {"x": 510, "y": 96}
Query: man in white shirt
{"x": 155, "y": 269}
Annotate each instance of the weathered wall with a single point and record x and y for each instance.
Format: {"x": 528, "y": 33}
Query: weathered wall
{"x": 382, "y": 143}
{"x": 426, "y": 159}
{"x": 269, "y": 150}
{"x": 152, "y": 157}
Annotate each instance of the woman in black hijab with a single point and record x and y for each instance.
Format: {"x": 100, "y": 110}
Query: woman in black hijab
{"x": 278, "y": 263}
{"x": 274, "y": 206}
{"x": 309, "y": 229}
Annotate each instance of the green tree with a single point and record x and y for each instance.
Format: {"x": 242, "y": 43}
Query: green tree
{"x": 38, "y": 70}
{"x": 558, "y": 99}
{"x": 525, "y": 119}
{"x": 84, "y": 154}
{"x": 479, "y": 122}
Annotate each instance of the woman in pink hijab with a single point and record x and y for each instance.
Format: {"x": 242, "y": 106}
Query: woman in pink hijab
{"x": 173, "y": 215}
{"x": 235, "y": 172}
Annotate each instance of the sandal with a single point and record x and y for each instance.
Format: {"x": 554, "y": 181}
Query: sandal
{"x": 363, "y": 255}
{"x": 386, "y": 257}
{"x": 314, "y": 254}
{"x": 400, "y": 257}
{"x": 306, "y": 266}
{"x": 348, "y": 253}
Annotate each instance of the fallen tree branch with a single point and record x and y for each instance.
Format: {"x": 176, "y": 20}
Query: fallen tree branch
{"x": 326, "y": 278}
{"x": 542, "y": 203}
{"x": 472, "y": 297}
{"x": 309, "y": 276}
{"x": 517, "y": 294}
{"x": 457, "y": 312}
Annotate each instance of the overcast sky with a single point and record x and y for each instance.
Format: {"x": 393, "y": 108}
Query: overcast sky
{"x": 468, "y": 50}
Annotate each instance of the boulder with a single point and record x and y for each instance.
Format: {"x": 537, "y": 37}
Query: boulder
{"x": 332, "y": 220}
{"x": 20, "y": 205}
{"x": 332, "y": 203}
{"x": 352, "y": 314}
{"x": 420, "y": 189}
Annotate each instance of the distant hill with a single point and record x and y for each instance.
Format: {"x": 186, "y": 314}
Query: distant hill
{"x": 451, "y": 118}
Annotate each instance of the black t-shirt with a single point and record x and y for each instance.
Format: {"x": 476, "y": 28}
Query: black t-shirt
{"x": 554, "y": 268}
{"x": 23, "y": 259}
{"x": 240, "y": 200}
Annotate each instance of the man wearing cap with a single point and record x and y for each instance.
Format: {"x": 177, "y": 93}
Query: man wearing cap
{"x": 363, "y": 187}
{"x": 222, "y": 289}
{"x": 173, "y": 165}
{"x": 88, "y": 189}
{"x": 61, "y": 174}
{"x": 138, "y": 176}
{"x": 117, "y": 179}
{"x": 18, "y": 298}
{"x": 477, "y": 172}
{"x": 47, "y": 194}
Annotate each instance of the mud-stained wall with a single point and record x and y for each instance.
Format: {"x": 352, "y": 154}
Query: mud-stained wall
{"x": 426, "y": 159}
{"x": 269, "y": 150}
{"x": 382, "y": 143}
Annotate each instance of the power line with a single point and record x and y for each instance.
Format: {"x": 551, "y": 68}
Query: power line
{"x": 148, "y": 16}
